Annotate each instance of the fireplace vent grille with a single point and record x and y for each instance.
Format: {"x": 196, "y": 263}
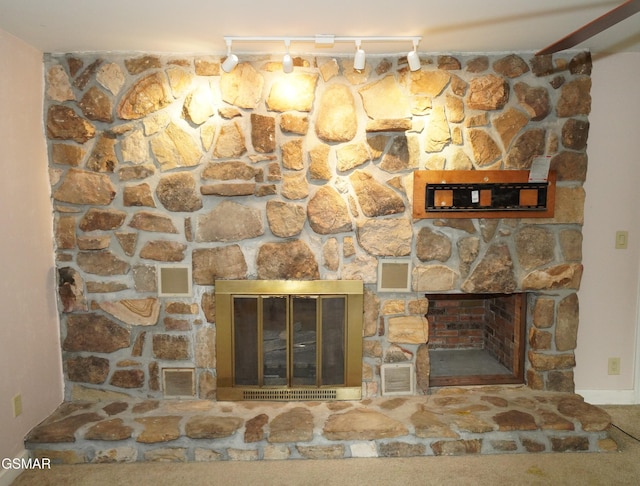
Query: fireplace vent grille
{"x": 397, "y": 379}
{"x": 290, "y": 394}
{"x": 178, "y": 382}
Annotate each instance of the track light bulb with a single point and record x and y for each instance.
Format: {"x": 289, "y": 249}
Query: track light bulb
{"x": 414, "y": 61}
{"x": 231, "y": 61}
{"x": 359, "y": 59}
{"x": 287, "y": 64}
{"x": 287, "y": 61}
{"x": 413, "y": 58}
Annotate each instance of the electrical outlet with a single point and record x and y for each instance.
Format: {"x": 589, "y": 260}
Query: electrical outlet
{"x": 614, "y": 366}
{"x": 17, "y": 405}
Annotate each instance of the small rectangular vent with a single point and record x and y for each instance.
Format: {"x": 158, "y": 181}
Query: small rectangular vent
{"x": 397, "y": 379}
{"x": 174, "y": 280}
{"x": 394, "y": 275}
{"x": 290, "y": 395}
{"x": 178, "y": 382}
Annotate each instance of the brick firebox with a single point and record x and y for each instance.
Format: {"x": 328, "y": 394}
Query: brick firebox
{"x": 493, "y": 323}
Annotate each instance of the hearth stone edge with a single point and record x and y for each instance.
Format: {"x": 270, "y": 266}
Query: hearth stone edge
{"x": 450, "y": 421}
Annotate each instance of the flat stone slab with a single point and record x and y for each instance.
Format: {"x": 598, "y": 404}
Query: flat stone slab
{"x": 402, "y": 449}
{"x": 553, "y": 421}
{"x": 322, "y": 452}
{"x": 159, "y": 429}
{"x": 254, "y": 428}
{"x": 115, "y": 408}
{"x": 145, "y": 406}
{"x": 457, "y": 447}
{"x": 204, "y": 427}
{"x": 472, "y": 423}
{"x": 113, "y": 429}
{"x": 362, "y": 424}
{"x": 63, "y": 430}
{"x": 296, "y": 425}
{"x": 428, "y": 425}
{"x": 515, "y": 420}
{"x": 592, "y": 418}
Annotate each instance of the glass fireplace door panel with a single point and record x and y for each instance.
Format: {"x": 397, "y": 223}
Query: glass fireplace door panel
{"x": 333, "y": 340}
{"x": 245, "y": 340}
{"x": 304, "y": 332}
{"x": 274, "y": 341}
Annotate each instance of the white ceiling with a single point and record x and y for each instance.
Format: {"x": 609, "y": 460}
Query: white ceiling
{"x": 198, "y": 26}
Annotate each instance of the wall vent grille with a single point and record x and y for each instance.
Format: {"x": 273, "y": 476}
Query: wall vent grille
{"x": 178, "y": 382}
{"x": 290, "y": 394}
{"x": 397, "y": 379}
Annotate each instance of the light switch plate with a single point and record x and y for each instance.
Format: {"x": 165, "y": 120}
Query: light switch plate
{"x": 622, "y": 238}
{"x": 17, "y": 405}
{"x": 613, "y": 366}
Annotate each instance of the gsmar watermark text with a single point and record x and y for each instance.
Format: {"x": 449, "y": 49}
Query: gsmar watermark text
{"x": 22, "y": 463}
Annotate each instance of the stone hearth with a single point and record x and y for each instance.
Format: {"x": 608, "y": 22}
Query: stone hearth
{"x": 453, "y": 421}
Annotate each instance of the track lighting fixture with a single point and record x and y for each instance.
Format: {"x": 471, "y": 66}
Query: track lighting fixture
{"x": 287, "y": 61}
{"x": 323, "y": 41}
{"x": 413, "y": 58}
{"x": 231, "y": 61}
{"x": 359, "y": 60}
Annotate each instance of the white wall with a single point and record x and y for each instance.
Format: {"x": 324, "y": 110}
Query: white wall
{"x": 30, "y": 362}
{"x": 609, "y": 291}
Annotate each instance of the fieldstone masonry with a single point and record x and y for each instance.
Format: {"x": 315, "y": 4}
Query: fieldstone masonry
{"x": 485, "y": 420}
{"x": 257, "y": 174}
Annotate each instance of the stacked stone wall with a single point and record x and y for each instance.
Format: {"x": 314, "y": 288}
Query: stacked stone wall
{"x": 258, "y": 174}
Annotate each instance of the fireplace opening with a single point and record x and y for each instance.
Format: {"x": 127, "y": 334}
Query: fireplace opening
{"x": 289, "y": 340}
{"x": 476, "y": 339}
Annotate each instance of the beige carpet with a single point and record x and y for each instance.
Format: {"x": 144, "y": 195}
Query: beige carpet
{"x": 615, "y": 468}
{"x": 625, "y": 417}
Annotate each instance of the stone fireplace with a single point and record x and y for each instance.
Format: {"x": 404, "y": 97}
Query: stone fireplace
{"x": 160, "y": 160}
